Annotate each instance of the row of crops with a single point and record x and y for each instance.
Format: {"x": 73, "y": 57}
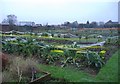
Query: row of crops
{"x": 49, "y": 54}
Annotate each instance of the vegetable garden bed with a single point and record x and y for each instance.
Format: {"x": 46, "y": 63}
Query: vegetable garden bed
{"x": 88, "y": 59}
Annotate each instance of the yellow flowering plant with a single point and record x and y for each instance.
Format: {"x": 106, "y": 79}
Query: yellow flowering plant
{"x": 102, "y": 54}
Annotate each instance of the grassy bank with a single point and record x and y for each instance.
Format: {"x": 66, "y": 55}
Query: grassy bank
{"x": 109, "y": 73}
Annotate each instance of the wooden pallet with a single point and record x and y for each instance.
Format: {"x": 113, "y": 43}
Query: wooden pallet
{"x": 43, "y": 78}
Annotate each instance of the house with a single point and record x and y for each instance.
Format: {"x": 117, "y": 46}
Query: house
{"x": 26, "y": 23}
{"x": 111, "y": 23}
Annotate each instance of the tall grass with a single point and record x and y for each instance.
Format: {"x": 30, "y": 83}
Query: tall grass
{"x": 18, "y": 69}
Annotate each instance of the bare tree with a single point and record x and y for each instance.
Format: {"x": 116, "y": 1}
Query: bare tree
{"x": 11, "y": 20}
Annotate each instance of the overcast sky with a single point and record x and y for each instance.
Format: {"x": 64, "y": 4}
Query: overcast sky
{"x": 59, "y": 11}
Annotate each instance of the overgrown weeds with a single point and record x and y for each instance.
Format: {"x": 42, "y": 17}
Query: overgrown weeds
{"x": 20, "y": 69}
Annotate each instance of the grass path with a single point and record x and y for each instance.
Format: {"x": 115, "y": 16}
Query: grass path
{"x": 109, "y": 73}
{"x": 69, "y": 74}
